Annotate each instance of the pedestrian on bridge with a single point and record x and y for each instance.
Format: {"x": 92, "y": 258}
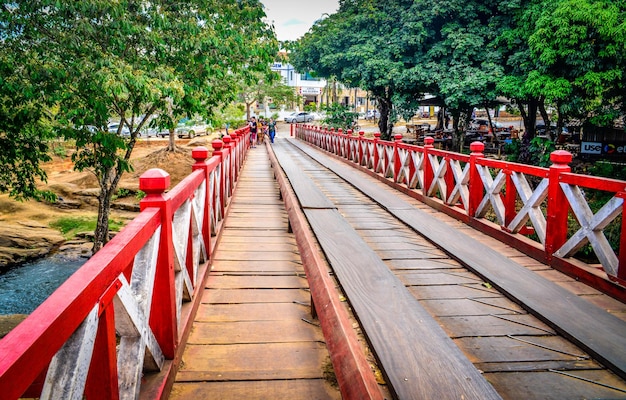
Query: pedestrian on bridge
{"x": 271, "y": 126}
{"x": 253, "y": 129}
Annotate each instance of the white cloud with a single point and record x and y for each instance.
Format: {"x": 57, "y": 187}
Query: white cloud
{"x": 294, "y": 18}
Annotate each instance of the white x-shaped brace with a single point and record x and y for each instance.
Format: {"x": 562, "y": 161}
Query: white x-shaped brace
{"x": 363, "y": 159}
{"x": 439, "y": 174}
{"x": 214, "y": 193}
{"x": 403, "y": 175}
{"x": 342, "y": 146}
{"x": 380, "y": 150}
{"x": 493, "y": 188}
{"x": 390, "y": 161}
{"x": 354, "y": 150}
{"x": 461, "y": 179}
{"x": 369, "y": 161}
{"x": 189, "y": 215}
{"x": 591, "y": 226}
{"x": 532, "y": 205}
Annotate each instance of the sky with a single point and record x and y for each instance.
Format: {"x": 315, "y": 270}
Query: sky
{"x": 293, "y": 18}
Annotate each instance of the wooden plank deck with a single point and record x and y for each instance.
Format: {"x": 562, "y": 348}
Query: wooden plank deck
{"x": 250, "y": 338}
{"x": 591, "y": 327}
{"x": 431, "y": 367}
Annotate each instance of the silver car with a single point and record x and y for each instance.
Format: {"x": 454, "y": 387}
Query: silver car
{"x": 299, "y": 117}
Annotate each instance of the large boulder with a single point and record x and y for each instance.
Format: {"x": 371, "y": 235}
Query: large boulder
{"x": 26, "y": 240}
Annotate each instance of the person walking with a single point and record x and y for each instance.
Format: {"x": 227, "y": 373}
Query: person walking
{"x": 271, "y": 126}
{"x": 253, "y": 129}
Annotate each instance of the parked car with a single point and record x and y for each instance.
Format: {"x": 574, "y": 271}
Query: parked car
{"x": 113, "y": 127}
{"x": 373, "y": 114}
{"x": 299, "y": 117}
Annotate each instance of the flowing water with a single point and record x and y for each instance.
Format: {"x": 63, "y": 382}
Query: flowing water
{"x": 23, "y": 288}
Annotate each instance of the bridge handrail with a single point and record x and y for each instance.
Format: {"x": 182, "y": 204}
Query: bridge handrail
{"x": 113, "y": 329}
{"x": 524, "y": 206}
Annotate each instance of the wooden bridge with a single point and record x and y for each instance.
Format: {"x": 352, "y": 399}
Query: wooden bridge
{"x": 330, "y": 265}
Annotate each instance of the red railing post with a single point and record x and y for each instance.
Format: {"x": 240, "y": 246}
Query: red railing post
{"x": 429, "y": 173}
{"x": 376, "y": 155}
{"x": 291, "y": 129}
{"x": 476, "y": 188}
{"x": 163, "y": 322}
{"x": 557, "y": 211}
{"x": 360, "y": 144}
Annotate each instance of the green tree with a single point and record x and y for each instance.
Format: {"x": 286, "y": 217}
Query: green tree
{"x": 131, "y": 62}
{"x": 267, "y": 86}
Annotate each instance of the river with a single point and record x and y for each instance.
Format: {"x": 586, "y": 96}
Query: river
{"x": 23, "y": 288}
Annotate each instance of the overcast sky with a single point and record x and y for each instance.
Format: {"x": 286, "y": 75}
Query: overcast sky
{"x": 293, "y": 18}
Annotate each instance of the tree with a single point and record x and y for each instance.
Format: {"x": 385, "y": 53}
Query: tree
{"x": 363, "y": 45}
{"x": 267, "y": 86}
{"x": 133, "y": 62}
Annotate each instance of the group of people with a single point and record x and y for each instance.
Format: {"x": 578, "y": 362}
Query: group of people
{"x": 260, "y": 128}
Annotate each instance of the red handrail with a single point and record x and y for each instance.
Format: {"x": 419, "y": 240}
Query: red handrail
{"x": 134, "y": 294}
{"x": 524, "y": 206}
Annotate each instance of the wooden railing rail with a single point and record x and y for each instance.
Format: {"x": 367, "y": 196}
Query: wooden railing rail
{"x": 541, "y": 211}
{"x": 113, "y": 329}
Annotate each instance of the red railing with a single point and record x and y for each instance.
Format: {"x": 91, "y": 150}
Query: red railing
{"x": 113, "y": 329}
{"x": 541, "y": 211}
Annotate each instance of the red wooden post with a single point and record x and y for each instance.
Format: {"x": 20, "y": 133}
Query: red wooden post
{"x": 102, "y": 381}
{"x": 230, "y": 145}
{"x": 360, "y": 144}
{"x": 217, "y": 152}
{"x": 291, "y": 129}
{"x": 163, "y": 322}
{"x": 376, "y": 156}
{"x": 200, "y": 155}
{"x": 476, "y": 188}
{"x": 429, "y": 174}
{"x": 556, "y": 219}
{"x": 509, "y": 199}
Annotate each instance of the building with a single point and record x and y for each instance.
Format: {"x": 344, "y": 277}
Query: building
{"x": 319, "y": 91}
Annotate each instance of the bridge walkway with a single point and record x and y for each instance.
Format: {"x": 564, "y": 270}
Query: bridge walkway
{"x": 250, "y": 338}
{"x": 253, "y": 336}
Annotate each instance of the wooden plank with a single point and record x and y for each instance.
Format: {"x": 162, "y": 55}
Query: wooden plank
{"x": 377, "y": 297}
{"x": 556, "y": 386}
{"x": 256, "y": 282}
{"x": 252, "y": 332}
{"x": 257, "y": 266}
{"x": 298, "y": 389}
{"x": 254, "y": 361}
{"x": 251, "y": 312}
{"x": 506, "y": 349}
{"x": 491, "y": 325}
{"x": 251, "y": 254}
{"x": 423, "y": 264}
{"x": 435, "y": 278}
{"x": 452, "y": 307}
{"x": 242, "y": 296}
{"x": 452, "y": 292}
{"x": 591, "y": 327}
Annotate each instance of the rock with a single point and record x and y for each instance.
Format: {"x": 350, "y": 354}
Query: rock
{"x": 26, "y": 240}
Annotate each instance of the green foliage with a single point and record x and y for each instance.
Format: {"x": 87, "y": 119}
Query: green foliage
{"x": 71, "y": 226}
{"x": 540, "y": 149}
{"x": 339, "y": 116}
{"x": 69, "y": 67}
{"x": 140, "y": 195}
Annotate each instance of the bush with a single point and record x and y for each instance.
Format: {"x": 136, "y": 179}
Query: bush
{"x": 71, "y": 226}
{"x": 339, "y": 116}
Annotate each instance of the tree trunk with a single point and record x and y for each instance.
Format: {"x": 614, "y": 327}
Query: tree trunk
{"x": 172, "y": 142}
{"x": 384, "y": 124}
{"x": 101, "y": 234}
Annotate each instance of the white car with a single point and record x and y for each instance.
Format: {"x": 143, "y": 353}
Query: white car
{"x": 113, "y": 127}
{"x": 299, "y": 117}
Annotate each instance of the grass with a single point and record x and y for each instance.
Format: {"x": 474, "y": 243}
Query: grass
{"x": 71, "y": 226}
